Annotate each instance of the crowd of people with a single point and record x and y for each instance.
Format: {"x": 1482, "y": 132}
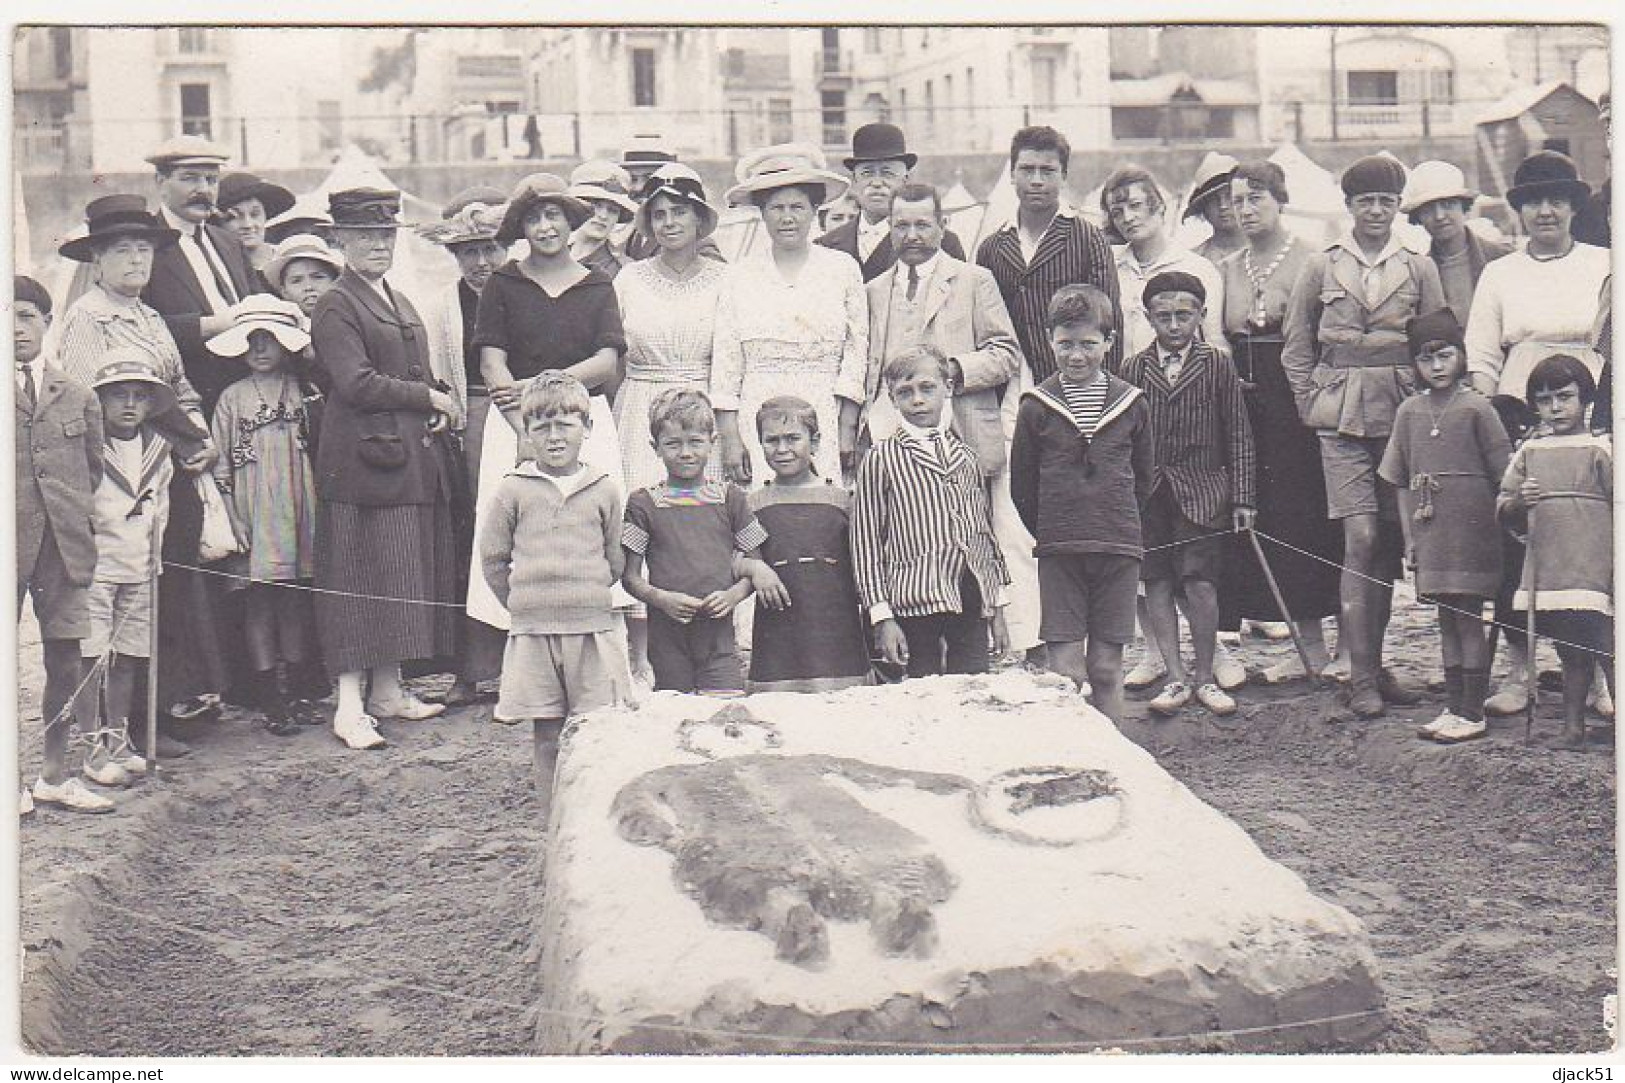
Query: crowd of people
{"x": 607, "y": 460}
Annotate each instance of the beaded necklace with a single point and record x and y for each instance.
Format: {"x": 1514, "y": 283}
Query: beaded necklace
{"x": 1259, "y": 278}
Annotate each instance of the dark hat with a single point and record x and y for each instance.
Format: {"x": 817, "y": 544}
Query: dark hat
{"x": 1174, "y": 282}
{"x": 236, "y": 187}
{"x": 1546, "y": 172}
{"x": 1374, "y": 173}
{"x": 646, "y": 150}
{"x": 116, "y": 216}
{"x": 1440, "y": 325}
{"x": 365, "y": 208}
{"x": 533, "y": 190}
{"x": 488, "y": 194}
{"x": 879, "y": 143}
{"x": 26, "y": 289}
{"x": 297, "y": 225}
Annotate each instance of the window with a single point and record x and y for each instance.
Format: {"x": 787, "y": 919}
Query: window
{"x": 643, "y": 77}
{"x": 1373, "y": 87}
{"x": 194, "y": 39}
{"x": 780, "y": 120}
{"x": 834, "y": 117}
{"x": 62, "y": 52}
{"x": 1044, "y": 82}
{"x": 195, "y": 110}
{"x": 1442, "y": 86}
{"x": 871, "y": 39}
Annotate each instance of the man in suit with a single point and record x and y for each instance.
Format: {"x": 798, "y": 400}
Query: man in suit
{"x": 196, "y": 280}
{"x": 880, "y": 165}
{"x": 929, "y": 296}
{"x": 59, "y": 465}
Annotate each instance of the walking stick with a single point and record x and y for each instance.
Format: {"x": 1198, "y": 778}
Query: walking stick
{"x": 1530, "y": 676}
{"x": 152, "y": 652}
{"x": 1280, "y": 603}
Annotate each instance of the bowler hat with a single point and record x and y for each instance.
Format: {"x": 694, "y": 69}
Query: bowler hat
{"x": 1212, "y": 177}
{"x": 236, "y": 187}
{"x": 1373, "y": 173}
{"x": 879, "y": 143}
{"x": 536, "y": 189}
{"x": 365, "y": 208}
{"x": 1439, "y": 325}
{"x": 1546, "y": 172}
{"x": 120, "y": 215}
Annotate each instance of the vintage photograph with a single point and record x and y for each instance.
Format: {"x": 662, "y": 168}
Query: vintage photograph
{"x": 828, "y": 539}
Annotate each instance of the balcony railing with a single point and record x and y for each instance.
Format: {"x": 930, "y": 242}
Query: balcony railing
{"x": 1394, "y": 117}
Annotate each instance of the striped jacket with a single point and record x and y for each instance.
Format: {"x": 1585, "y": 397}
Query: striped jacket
{"x": 1071, "y": 251}
{"x": 1203, "y": 437}
{"x": 916, "y": 527}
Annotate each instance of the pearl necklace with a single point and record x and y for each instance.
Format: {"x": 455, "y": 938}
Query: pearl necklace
{"x": 1260, "y": 278}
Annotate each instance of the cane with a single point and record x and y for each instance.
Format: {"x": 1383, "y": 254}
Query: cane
{"x": 1530, "y": 676}
{"x": 1280, "y": 603}
{"x": 152, "y": 651}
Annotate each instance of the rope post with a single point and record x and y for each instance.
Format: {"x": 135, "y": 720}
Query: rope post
{"x": 1280, "y": 603}
{"x": 152, "y": 650}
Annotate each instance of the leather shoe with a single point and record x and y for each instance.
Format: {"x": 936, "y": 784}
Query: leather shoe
{"x": 1389, "y": 688}
{"x": 1364, "y": 698}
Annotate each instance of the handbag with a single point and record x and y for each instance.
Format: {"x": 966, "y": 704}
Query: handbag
{"x": 218, "y": 540}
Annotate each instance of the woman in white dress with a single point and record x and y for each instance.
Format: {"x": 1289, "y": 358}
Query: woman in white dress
{"x": 791, "y": 320}
{"x": 668, "y": 311}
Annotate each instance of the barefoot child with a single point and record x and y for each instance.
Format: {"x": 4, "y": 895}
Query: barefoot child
{"x": 1081, "y": 467}
{"x": 811, "y": 639}
{"x": 1202, "y": 483}
{"x": 1446, "y": 457}
{"x": 682, "y": 538}
{"x": 1560, "y": 487}
{"x": 929, "y": 570}
{"x": 264, "y": 470}
{"x": 131, "y": 508}
{"x": 551, "y": 550}
{"x": 59, "y": 465}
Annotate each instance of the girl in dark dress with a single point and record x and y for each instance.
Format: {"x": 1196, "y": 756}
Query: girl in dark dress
{"x": 817, "y": 643}
{"x": 1258, "y": 280}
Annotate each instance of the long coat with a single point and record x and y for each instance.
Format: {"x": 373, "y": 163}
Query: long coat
{"x": 175, "y": 292}
{"x": 378, "y": 360}
{"x": 59, "y": 465}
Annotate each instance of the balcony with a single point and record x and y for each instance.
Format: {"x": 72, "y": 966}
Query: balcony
{"x": 835, "y": 69}
{"x": 1393, "y": 118}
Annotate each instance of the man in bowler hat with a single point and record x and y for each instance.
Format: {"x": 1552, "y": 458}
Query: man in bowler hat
{"x": 880, "y": 164}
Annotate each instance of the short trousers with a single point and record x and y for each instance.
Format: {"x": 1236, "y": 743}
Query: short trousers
{"x": 1352, "y": 486}
{"x": 699, "y": 656}
{"x": 557, "y": 676}
{"x": 1085, "y": 596}
{"x": 1193, "y": 551}
{"x": 60, "y": 607}
{"x": 120, "y": 615}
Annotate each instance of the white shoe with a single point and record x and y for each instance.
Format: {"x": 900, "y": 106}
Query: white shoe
{"x": 101, "y": 770}
{"x": 1337, "y": 669}
{"x": 123, "y": 753}
{"x": 25, "y": 804}
{"x": 1511, "y": 698}
{"x": 1174, "y": 695}
{"x": 1146, "y": 672}
{"x": 1230, "y": 639}
{"x": 360, "y": 731}
{"x": 406, "y": 709}
{"x": 1599, "y": 700}
{"x": 72, "y": 795}
{"x": 1458, "y": 730}
{"x": 1216, "y": 700}
{"x": 1429, "y": 730}
{"x": 1276, "y": 631}
{"x": 1228, "y": 673}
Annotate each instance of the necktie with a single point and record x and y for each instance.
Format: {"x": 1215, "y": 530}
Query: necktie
{"x": 913, "y": 281}
{"x": 30, "y": 395}
{"x": 940, "y": 448}
{"x": 222, "y": 281}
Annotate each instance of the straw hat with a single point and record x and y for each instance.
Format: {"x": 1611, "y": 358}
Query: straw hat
{"x": 784, "y": 165}
{"x": 601, "y": 181}
{"x": 676, "y": 181}
{"x": 536, "y": 189}
{"x": 1433, "y": 181}
{"x": 188, "y": 150}
{"x": 262, "y": 312}
{"x": 120, "y": 215}
{"x": 1212, "y": 176}
{"x": 474, "y": 222}
{"x": 301, "y": 246}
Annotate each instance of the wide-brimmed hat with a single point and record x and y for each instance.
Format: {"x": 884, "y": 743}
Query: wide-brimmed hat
{"x": 532, "y": 191}
{"x": 1547, "y": 172}
{"x": 880, "y": 143}
{"x": 474, "y": 222}
{"x": 365, "y": 208}
{"x": 1212, "y": 177}
{"x": 1432, "y": 181}
{"x": 236, "y": 187}
{"x": 128, "y": 364}
{"x": 188, "y": 150}
{"x": 301, "y": 246}
{"x": 120, "y": 215}
{"x": 262, "y": 312}
{"x": 599, "y": 181}
{"x": 783, "y": 165}
{"x": 676, "y": 181}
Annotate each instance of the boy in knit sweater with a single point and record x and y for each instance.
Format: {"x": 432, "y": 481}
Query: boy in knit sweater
{"x": 551, "y": 551}
{"x": 1081, "y": 469}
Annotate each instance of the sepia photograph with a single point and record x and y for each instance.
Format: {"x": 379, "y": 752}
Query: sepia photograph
{"x": 836, "y": 539}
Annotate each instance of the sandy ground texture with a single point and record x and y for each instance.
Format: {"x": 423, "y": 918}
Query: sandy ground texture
{"x": 286, "y": 896}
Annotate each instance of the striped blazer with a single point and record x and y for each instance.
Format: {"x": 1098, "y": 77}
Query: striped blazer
{"x": 917, "y": 526}
{"x": 1071, "y": 251}
{"x": 1202, "y": 434}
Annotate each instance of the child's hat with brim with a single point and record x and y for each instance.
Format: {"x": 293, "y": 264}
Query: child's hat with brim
{"x": 301, "y": 246}
{"x": 128, "y": 365}
{"x": 262, "y": 312}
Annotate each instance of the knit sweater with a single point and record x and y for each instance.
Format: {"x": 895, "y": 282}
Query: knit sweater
{"x": 551, "y": 558}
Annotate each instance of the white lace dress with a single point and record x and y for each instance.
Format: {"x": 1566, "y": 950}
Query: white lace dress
{"x": 669, "y": 330}
{"x": 807, "y": 337}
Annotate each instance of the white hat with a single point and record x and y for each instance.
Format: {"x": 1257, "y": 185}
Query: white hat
{"x": 301, "y": 246}
{"x": 784, "y": 165}
{"x": 262, "y": 312}
{"x": 1434, "y": 180}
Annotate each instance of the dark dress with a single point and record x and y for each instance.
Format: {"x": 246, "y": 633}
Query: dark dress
{"x": 541, "y": 332}
{"x": 1291, "y": 485}
{"x": 818, "y": 643}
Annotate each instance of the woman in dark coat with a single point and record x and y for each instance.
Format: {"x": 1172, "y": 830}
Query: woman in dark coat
{"x": 384, "y": 482}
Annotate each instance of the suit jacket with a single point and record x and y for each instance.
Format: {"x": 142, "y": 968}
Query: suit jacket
{"x": 375, "y": 447}
{"x": 179, "y": 298}
{"x": 59, "y": 465}
{"x": 883, "y": 258}
{"x": 965, "y": 319}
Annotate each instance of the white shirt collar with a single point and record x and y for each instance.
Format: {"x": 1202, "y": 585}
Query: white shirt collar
{"x": 877, "y": 230}
{"x": 926, "y": 270}
{"x": 1396, "y": 243}
{"x": 176, "y": 222}
{"x": 919, "y": 434}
